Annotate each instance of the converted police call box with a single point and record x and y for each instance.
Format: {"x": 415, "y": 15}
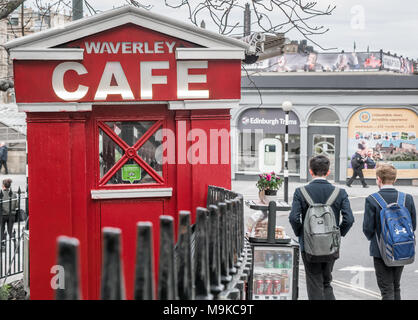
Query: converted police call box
{"x": 128, "y": 119}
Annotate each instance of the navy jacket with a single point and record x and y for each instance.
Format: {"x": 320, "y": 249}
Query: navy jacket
{"x": 371, "y": 222}
{"x": 320, "y": 190}
{"x": 3, "y": 153}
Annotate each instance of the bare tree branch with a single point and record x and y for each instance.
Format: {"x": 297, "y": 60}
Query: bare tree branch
{"x": 8, "y": 6}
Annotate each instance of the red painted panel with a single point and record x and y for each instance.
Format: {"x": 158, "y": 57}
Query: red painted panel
{"x": 125, "y": 214}
{"x": 49, "y": 199}
{"x": 212, "y": 172}
{"x": 33, "y": 79}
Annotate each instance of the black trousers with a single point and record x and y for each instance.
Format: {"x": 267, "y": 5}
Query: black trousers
{"x": 318, "y": 279}
{"x": 388, "y": 280}
{"x": 4, "y": 163}
{"x": 8, "y": 221}
{"x": 357, "y": 173}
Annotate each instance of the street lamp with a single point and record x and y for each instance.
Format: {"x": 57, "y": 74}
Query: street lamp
{"x": 287, "y": 107}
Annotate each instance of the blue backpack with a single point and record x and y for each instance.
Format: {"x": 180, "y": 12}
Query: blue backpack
{"x": 397, "y": 240}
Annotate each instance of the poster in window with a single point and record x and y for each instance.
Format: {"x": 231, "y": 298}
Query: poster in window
{"x": 388, "y": 135}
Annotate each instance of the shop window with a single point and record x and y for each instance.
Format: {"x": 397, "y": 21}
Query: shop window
{"x": 129, "y": 152}
{"x": 249, "y": 153}
{"x": 324, "y": 116}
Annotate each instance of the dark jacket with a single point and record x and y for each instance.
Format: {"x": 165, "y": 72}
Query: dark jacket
{"x": 371, "y": 222}
{"x": 357, "y": 161}
{"x": 3, "y": 153}
{"x": 320, "y": 190}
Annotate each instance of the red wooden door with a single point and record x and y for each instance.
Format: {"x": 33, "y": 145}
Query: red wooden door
{"x": 129, "y": 161}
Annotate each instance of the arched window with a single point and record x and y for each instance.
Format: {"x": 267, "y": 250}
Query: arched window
{"x": 324, "y": 116}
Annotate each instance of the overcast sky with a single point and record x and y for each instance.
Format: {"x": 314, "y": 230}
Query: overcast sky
{"x": 390, "y": 25}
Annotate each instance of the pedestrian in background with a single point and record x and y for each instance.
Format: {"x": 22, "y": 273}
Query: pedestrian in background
{"x": 8, "y": 210}
{"x": 357, "y": 163}
{"x": 3, "y": 157}
{"x": 388, "y": 277}
{"x": 319, "y": 191}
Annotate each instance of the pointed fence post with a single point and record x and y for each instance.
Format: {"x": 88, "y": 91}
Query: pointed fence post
{"x": 201, "y": 262}
{"x": 184, "y": 264}
{"x": 236, "y": 232}
{"x": 214, "y": 251}
{"x": 1, "y": 235}
{"x": 67, "y": 263}
{"x": 224, "y": 249}
{"x": 113, "y": 287}
{"x": 144, "y": 274}
{"x": 229, "y": 223}
{"x": 27, "y": 207}
{"x": 167, "y": 285}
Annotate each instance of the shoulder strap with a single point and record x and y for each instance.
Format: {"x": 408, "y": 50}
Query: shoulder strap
{"x": 333, "y": 196}
{"x": 401, "y": 199}
{"x": 306, "y": 196}
{"x": 379, "y": 199}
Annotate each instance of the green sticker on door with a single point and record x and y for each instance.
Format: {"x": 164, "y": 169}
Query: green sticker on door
{"x": 131, "y": 172}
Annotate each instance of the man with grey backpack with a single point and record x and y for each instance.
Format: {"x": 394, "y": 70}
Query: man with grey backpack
{"x": 315, "y": 217}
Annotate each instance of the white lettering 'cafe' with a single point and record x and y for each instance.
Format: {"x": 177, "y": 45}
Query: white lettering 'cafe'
{"x": 114, "y": 70}
{"x": 157, "y": 47}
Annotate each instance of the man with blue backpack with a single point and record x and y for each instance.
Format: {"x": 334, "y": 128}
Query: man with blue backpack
{"x": 389, "y": 223}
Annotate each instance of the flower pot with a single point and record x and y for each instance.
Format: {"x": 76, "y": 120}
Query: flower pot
{"x": 270, "y": 195}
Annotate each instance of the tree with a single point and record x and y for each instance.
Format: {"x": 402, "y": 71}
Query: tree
{"x": 8, "y": 6}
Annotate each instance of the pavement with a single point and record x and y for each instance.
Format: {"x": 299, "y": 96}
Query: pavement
{"x": 353, "y": 274}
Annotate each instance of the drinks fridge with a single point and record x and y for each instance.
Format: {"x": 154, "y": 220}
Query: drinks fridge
{"x": 275, "y": 271}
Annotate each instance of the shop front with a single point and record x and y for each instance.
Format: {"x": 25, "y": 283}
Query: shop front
{"x": 125, "y": 114}
{"x": 335, "y": 112}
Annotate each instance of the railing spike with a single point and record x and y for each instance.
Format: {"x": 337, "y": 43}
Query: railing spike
{"x": 67, "y": 286}
{"x": 112, "y": 271}
{"x": 144, "y": 275}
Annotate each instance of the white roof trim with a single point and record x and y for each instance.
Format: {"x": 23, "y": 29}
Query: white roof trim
{"x": 210, "y": 53}
{"x": 54, "y": 107}
{"x": 203, "y": 104}
{"x": 131, "y": 193}
{"x": 116, "y": 17}
{"x": 46, "y": 54}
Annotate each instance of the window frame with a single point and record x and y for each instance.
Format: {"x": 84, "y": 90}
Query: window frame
{"x": 100, "y": 124}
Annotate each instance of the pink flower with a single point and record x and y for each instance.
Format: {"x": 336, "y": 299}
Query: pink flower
{"x": 268, "y": 177}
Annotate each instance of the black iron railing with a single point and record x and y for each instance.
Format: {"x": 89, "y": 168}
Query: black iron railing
{"x": 211, "y": 259}
{"x": 13, "y": 220}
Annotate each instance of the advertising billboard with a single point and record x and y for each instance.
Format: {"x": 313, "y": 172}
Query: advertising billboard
{"x": 389, "y": 135}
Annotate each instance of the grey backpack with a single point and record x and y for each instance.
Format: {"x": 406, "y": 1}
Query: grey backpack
{"x": 321, "y": 235}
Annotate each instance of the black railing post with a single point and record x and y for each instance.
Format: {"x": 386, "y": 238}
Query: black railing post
{"x": 214, "y": 251}
{"x": 112, "y": 274}
{"x": 68, "y": 269}
{"x": 17, "y": 215}
{"x": 201, "y": 262}
{"x": 144, "y": 274}
{"x": 27, "y": 208}
{"x": 235, "y": 205}
{"x": 167, "y": 285}
{"x": 224, "y": 248}
{"x": 271, "y": 226}
{"x": 1, "y": 234}
{"x": 185, "y": 283}
{"x": 9, "y": 227}
{"x": 240, "y": 230}
{"x": 229, "y": 223}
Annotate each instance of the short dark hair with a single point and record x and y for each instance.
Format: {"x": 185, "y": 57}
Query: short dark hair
{"x": 319, "y": 165}
{"x": 7, "y": 183}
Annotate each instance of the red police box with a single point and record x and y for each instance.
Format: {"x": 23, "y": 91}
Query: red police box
{"x": 128, "y": 119}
